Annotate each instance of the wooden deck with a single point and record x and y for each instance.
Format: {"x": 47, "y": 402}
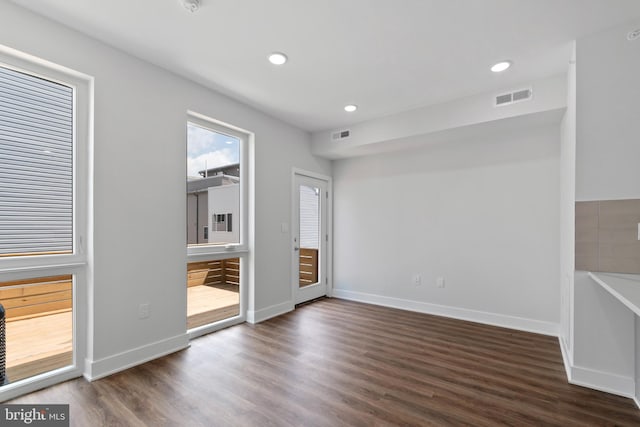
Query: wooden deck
{"x": 39, "y": 344}
{"x": 39, "y": 325}
{"x": 212, "y": 291}
{"x": 208, "y": 304}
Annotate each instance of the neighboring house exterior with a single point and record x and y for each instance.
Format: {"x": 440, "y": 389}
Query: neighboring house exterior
{"x": 213, "y": 204}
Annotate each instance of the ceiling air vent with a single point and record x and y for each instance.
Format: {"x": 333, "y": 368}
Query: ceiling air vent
{"x": 342, "y": 134}
{"x": 512, "y": 97}
{"x": 507, "y": 98}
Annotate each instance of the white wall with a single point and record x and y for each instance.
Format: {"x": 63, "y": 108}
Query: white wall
{"x": 608, "y": 128}
{"x": 482, "y": 213}
{"x": 607, "y": 167}
{"x": 604, "y": 343}
{"x": 139, "y": 239}
{"x": 451, "y": 120}
{"x": 567, "y": 210}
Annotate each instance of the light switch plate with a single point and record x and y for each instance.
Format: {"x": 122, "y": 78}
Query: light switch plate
{"x": 143, "y": 310}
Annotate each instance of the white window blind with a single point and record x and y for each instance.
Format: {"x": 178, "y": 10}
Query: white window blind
{"x": 36, "y": 165}
{"x": 309, "y": 217}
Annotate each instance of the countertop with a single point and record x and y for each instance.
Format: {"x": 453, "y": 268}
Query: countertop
{"x": 625, "y": 287}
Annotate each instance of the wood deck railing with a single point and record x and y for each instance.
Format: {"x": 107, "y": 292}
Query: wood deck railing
{"x": 15, "y": 254}
{"x": 214, "y": 273}
{"x": 41, "y": 296}
{"x": 308, "y": 266}
{"x": 39, "y": 325}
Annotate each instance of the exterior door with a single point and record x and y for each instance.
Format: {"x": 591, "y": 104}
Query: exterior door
{"x": 310, "y": 237}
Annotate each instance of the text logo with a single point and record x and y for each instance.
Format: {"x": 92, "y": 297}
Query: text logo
{"x": 34, "y": 415}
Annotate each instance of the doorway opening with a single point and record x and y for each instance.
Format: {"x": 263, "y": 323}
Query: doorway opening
{"x": 311, "y": 236}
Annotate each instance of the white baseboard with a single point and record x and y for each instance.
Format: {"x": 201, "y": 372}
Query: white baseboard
{"x": 96, "y": 369}
{"x": 603, "y": 381}
{"x": 38, "y": 382}
{"x": 597, "y": 380}
{"x": 566, "y": 357}
{"x": 512, "y": 322}
{"x": 257, "y": 316}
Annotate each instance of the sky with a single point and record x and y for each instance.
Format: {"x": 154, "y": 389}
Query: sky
{"x": 212, "y": 148}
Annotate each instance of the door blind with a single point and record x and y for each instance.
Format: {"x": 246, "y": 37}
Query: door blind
{"x": 309, "y": 217}
{"x": 36, "y": 165}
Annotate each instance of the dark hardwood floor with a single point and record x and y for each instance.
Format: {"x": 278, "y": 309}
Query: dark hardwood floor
{"x": 335, "y": 363}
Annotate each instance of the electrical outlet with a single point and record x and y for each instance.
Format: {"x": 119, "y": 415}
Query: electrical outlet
{"x": 143, "y": 310}
{"x": 417, "y": 280}
{"x": 440, "y": 282}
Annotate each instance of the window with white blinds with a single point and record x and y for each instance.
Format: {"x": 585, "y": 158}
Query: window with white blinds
{"x": 36, "y": 165}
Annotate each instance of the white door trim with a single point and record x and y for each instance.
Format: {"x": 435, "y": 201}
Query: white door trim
{"x": 293, "y": 255}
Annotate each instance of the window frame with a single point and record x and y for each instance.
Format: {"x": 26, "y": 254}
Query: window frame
{"x": 244, "y": 138}
{"x": 82, "y": 86}
{"x": 74, "y": 263}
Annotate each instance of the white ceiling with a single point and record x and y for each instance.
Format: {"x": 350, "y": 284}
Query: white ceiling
{"x": 387, "y": 56}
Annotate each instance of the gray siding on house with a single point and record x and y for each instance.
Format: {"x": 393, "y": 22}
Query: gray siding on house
{"x": 197, "y": 202}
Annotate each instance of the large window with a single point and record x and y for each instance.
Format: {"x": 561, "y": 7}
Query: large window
{"x": 214, "y": 184}
{"x": 44, "y": 187}
{"x": 217, "y": 224}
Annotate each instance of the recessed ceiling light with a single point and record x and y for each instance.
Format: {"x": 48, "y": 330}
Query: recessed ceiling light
{"x": 350, "y": 108}
{"x": 277, "y": 58}
{"x": 501, "y": 66}
{"x": 229, "y": 142}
